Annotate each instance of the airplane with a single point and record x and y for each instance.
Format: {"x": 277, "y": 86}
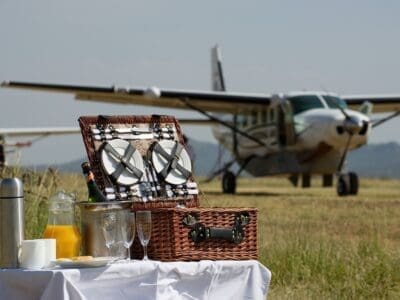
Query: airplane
{"x": 39, "y": 133}
{"x": 297, "y": 134}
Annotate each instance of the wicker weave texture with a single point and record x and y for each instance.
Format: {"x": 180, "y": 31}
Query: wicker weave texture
{"x": 170, "y": 236}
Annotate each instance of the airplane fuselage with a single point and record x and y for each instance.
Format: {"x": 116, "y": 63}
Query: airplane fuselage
{"x": 301, "y": 133}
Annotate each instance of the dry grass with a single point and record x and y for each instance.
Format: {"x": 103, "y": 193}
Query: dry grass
{"x": 38, "y": 188}
{"x": 320, "y": 246}
{"x": 317, "y": 245}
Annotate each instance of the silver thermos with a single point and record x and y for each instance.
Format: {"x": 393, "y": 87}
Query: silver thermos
{"x": 11, "y": 221}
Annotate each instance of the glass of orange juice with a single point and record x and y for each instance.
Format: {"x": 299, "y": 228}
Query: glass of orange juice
{"x": 61, "y": 225}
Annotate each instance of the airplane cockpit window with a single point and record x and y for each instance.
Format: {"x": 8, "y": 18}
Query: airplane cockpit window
{"x": 303, "y": 103}
{"x": 334, "y": 102}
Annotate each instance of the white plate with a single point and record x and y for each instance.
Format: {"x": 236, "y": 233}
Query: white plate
{"x": 110, "y": 164}
{"x": 92, "y": 263}
{"x": 159, "y": 162}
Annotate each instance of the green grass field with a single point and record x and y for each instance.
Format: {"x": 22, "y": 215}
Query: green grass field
{"x": 317, "y": 245}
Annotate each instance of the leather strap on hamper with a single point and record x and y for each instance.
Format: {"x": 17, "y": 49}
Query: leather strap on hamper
{"x": 121, "y": 162}
{"x": 124, "y": 161}
{"x": 200, "y": 232}
{"x": 172, "y": 160}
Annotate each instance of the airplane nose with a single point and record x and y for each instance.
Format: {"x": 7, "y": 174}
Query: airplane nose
{"x": 353, "y": 125}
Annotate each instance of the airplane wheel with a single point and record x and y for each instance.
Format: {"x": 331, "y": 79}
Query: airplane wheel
{"x": 353, "y": 179}
{"x": 229, "y": 183}
{"x": 342, "y": 187}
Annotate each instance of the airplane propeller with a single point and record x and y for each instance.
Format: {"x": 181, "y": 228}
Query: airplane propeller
{"x": 351, "y": 125}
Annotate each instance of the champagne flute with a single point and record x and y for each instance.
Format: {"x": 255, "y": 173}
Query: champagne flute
{"x": 128, "y": 231}
{"x": 143, "y": 226}
{"x": 109, "y": 227}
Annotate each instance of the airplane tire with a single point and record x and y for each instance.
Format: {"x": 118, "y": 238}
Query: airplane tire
{"x": 342, "y": 187}
{"x": 229, "y": 183}
{"x": 353, "y": 180}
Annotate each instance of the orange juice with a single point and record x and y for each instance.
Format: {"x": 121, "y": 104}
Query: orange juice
{"x": 68, "y": 239}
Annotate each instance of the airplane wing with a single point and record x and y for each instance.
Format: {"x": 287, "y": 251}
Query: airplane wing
{"x": 12, "y": 132}
{"x": 210, "y": 101}
{"x": 382, "y": 103}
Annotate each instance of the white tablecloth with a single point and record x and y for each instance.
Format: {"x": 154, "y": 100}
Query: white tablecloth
{"x": 141, "y": 280}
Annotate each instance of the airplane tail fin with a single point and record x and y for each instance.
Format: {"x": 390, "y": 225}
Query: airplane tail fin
{"x": 217, "y": 76}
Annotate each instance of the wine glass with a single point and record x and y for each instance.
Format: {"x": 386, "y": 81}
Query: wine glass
{"x": 128, "y": 230}
{"x": 143, "y": 226}
{"x": 109, "y": 227}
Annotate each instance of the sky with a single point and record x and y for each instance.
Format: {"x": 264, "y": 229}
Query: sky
{"x": 347, "y": 47}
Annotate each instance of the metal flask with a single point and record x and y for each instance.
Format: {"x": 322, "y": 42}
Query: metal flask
{"x": 11, "y": 221}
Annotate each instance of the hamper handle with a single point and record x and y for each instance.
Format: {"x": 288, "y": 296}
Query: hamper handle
{"x": 200, "y": 233}
{"x": 234, "y": 234}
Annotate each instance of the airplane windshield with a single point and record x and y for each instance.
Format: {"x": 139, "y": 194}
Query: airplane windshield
{"x": 306, "y": 102}
{"x": 335, "y": 102}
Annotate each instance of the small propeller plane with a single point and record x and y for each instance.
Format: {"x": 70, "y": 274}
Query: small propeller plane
{"x": 294, "y": 134}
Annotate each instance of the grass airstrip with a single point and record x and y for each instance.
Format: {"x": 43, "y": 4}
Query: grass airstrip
{"x": 317, "y": 245}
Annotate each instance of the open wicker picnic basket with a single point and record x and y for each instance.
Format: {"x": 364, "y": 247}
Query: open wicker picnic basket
{"x": 143, "y": 159}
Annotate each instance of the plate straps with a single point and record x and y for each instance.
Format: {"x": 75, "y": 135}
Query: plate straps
{"x": 123, "y": 161}
{"x": 172, "y": 160}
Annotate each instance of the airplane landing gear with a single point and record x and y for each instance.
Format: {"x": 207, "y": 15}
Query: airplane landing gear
{"x": 347, "y": 184}
{"x": 229, "y": 183}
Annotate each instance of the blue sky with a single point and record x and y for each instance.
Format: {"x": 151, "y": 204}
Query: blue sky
{"x": 348, "y": 47}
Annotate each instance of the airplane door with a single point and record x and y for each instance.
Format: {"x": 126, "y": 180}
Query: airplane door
{"x": 287, "y": 134}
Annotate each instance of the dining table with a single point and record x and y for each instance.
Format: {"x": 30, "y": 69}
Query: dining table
{"x": 138, "y": 279}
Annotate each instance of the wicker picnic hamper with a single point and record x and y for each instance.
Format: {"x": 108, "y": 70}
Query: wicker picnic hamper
{"x": 172, "y": 239}
{"x": 98, "y": 130}
{"x": 180, "y": 229}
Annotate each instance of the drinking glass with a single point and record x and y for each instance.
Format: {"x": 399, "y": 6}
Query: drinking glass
{"x": 109, "y": 226}
{"x": 143, "y": 226}
{"x": 128, "y": 230}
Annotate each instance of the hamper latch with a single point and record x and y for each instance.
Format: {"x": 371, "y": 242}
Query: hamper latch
{"x": 200, "y": 232}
